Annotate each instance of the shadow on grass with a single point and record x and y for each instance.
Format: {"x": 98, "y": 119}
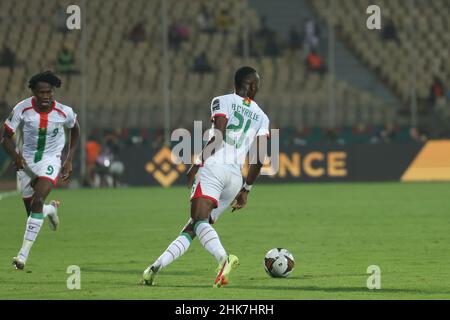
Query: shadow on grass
{"x": 134, "y": 271}
{"x": 290, "y": 288}
{"x": 315, "y": 289}
{"x": 318, "y": 276}
{"x": 339, "y": 289}
{"x": 129, "y": 271}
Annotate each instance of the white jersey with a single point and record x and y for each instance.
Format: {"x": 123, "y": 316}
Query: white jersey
{"x": 246, "y": 121}
{"x": 41, "y": 133}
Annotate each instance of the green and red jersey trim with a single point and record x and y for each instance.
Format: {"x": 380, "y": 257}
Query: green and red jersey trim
{"x": 8, "y": 128}
{"x": 42, "y": 133}
{"x": 53, "y": 181}
{"x": 42, "y": 137}
{"x": 199, "y": 194}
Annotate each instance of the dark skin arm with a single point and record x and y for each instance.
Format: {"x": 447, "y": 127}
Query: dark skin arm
{"x": 8, "y": 145}
{"x": 215, "y": 143}
{"x": 253, "y": 172}
{"x": 66, "y": 170}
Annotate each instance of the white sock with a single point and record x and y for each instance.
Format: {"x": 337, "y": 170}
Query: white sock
{"x": 209, "y": 239}
{"x": 175, "y": 250}
{"x": 34, "y": 223}
{"x": 48, "y": 209}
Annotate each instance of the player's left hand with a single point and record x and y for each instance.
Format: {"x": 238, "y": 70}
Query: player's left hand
{"x": 240, "y": 201}
{"x": 66, "y": 171}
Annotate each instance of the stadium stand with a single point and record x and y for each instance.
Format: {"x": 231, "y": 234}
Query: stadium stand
{"x": 388, "y": 53}
{"x": 125, "y": 76}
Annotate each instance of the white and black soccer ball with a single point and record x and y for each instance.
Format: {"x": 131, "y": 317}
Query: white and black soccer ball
{"x": 279, "y": 263}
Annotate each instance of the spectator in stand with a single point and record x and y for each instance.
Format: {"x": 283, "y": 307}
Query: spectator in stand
{"x": 390, "y": 132}
{"x": 311, "y": 34}
{"x": 93, "y": 149}
{"x": 438, "y": 103}
{"x": 389, "y": 32}
{"x": 201, "y": 64}
{"x": 158, "y": 139}
{"x": 204, "y": 20}
{"x": 436, "y": 91}
{"x": 137, "y": 33}
{"x": 264, "y": 31}
{"x": 387, "y": 134}
{"x": 108, "y": 167}
{"x": 272, "y": 49}
{"x": 182, "y": 31}
{"x": 66, "y": 61}
{"x": 417, "y": 135}
{"x": 264, "y": 41}
{"x": 223, "y": 21}
{"x": 178, "y": 33}
{"x": 252, "y": 43}
{"x": 174, "y": 39}
{"x": 295, "y": 39}
{"x": 298, "y": 138}
{"x": 314, "y": 62}
{"x": 332, "y": 135}
{"x": 7, "y": 58}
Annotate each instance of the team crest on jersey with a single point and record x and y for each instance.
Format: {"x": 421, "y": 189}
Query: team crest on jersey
{"x": 216, "y": 105}
{"x": 247, "y": 102}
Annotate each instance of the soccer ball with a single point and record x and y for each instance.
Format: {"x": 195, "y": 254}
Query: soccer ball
{"x": 279, "y": 263}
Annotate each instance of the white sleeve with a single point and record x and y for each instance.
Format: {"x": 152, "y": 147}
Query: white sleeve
{"x": 220, "y": 108}
{"x": 71, "y": 118}
{"x": 264, "y": 129}
{"x": 14, "y": 119}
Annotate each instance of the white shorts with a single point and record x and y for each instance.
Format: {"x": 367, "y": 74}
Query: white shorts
{"x": 44, "y": 170}
{"x": 219, "y": 184}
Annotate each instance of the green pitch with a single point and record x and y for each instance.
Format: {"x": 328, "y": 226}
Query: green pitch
{"x": 335, "y": 231}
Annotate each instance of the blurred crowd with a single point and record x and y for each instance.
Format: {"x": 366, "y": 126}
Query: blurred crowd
{"x": 103, "y": 165}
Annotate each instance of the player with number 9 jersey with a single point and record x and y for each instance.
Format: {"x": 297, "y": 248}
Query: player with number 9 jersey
{"x": 40, "y": 138}
{"x": 38, "y": 125}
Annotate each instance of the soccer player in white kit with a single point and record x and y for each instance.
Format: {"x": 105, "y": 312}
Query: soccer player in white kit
{"x": 39, "y": 124}
{"x": 239, "y": 124}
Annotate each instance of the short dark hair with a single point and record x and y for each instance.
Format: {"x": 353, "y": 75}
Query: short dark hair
{"x": 241, "y": 76}
{"x": 47, "y": 76}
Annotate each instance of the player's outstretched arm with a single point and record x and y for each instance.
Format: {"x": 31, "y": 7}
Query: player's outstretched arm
{"x": 8, "y": 145}
{"x": 66, "y": 170}
{"x": 256, "y": 163}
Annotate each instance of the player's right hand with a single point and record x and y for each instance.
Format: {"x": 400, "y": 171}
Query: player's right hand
{"x": 66, "y": 170}
{"x": 240, "y": 201}
{"x": 19, "y": 163}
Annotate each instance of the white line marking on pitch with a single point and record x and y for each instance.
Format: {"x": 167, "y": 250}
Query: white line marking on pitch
{"x": 8, "y": 194}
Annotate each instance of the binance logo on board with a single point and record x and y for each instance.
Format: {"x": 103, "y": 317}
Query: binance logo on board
{"x": 431, "y": 164}
{"x": 162, "y": 168}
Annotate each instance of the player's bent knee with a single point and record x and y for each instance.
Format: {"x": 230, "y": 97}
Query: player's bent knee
{"x": 189, "y": 229}
{"x": 201, "y": 209}
{"x": 196, "y": 223}
{"x": 190, "y": 233}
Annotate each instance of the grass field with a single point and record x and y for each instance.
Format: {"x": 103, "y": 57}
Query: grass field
{"x": 335, "y": 231}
